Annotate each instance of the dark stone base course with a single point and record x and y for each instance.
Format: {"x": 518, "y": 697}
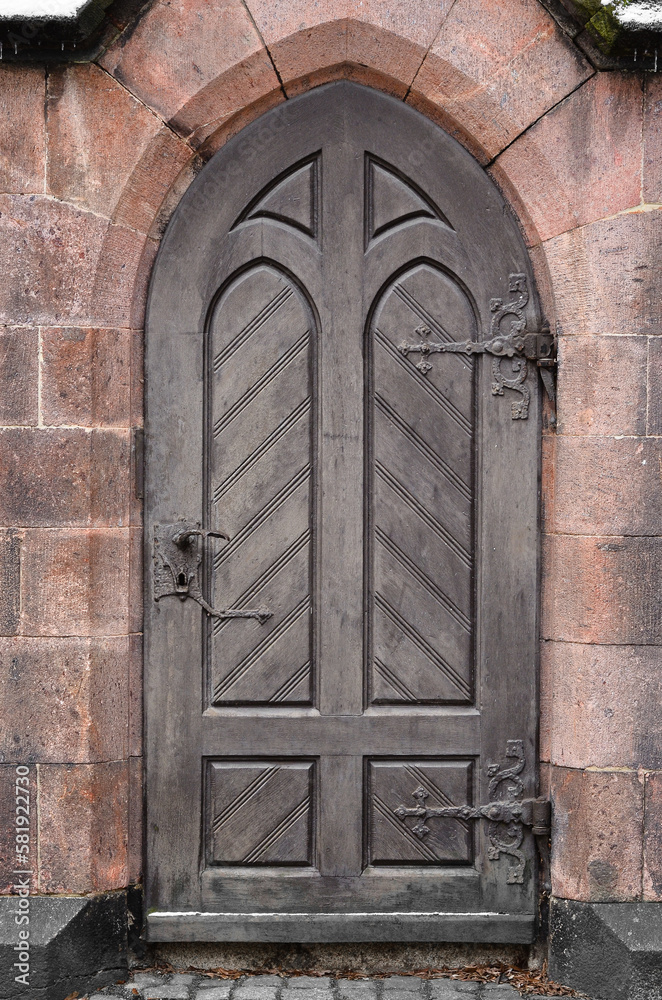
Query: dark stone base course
{"x": 76, "y": 943}
{"x": 612, "y": 951}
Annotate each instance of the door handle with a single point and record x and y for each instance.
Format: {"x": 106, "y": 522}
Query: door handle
{"x": 178, "y": 553}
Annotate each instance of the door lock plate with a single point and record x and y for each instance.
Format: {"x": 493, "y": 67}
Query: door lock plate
{"x": 178, "y": 553}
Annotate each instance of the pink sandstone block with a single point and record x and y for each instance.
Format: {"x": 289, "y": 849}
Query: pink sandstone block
{"x": 58, "y": 478}
{"x": 19, "y": 376}
{"x": 652, "y": 186}
{"x": 602, "y": 386}
{"x": 607, "y": 276}
{"x": 206, "y": 53}
{"x": 75, "y": 582}
{"x": 160, "y": 169}
{"x": 22, "y": 129}
{"x": 8, "y": 802}
{"x": 602, "y": 705}
{"x": 654, "y": 414}
{"x": 48, "y": 257}
{"x": 597, "y": 843}
{"x": 97, "y": 135}
{"x": 604, "y": 485}
{"x": 653, "y": 837}
{"x": 306, "y": 39}
{"x": 604, "y": 590}
{"x": 84, "y": 820}
{"x": 495, "y": 68}
{"x": 121, "y": 280}
{"x": 65, "y": 700}
{"x": 86, "y": 376}
{"x": 582, "y": 160}
{"x": 65, "y": 267}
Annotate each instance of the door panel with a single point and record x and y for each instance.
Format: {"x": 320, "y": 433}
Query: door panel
{"x": 379, "y": 508}
{"x": 261, "y": 453}
{"x": 394, "y": 843}
{"x": 260, "y": 812}
{"x": 420, "y": 443}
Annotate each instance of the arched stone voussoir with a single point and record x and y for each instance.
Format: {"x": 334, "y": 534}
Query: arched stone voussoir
{"x": 193, "y": 62}
{"x": 494, "y": 69}
{"x": 389, "y": 39}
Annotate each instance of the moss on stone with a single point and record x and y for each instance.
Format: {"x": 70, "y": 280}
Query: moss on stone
{"x": 605, "y": 29}
{"x": 601, "y": 22}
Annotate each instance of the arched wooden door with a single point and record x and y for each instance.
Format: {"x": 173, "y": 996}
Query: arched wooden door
{"x": 319, "y": 393}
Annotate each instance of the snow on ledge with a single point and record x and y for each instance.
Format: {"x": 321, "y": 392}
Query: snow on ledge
{"x": 637, "y": 15}
{"x": 55, "y": 10}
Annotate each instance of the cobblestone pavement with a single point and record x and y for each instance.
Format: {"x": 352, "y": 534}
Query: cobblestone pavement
{"x": 191, "y": 986}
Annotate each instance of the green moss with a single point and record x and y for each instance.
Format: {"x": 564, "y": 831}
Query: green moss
{"x": 587, "y": 8}
{"x": 601, "y": 23}
{"x": 605, "y": 28}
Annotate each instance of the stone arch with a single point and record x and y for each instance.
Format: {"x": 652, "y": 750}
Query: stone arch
{"x": 206, "y": 71}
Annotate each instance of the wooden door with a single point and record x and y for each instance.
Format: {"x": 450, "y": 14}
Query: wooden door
{"x": 378, "y": 493}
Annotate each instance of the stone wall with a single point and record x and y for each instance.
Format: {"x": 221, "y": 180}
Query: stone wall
{"x": 94, "y": 158}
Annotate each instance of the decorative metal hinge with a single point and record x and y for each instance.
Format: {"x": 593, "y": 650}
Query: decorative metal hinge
{"x": 507, "y": 815}
{"x": 177, "y": 557}
{"x": 517, "y": 344}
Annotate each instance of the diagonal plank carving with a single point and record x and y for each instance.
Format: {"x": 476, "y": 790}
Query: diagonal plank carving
{"x": 427, "y": 386}
{"x": 260, "y": 490}
{"x": 421, "y": 512}
{"x": 447, "y": 782}
{"x": 260, "y": 812}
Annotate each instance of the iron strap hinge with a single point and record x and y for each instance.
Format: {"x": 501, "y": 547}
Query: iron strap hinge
{"x": 534, "y": 813}
{"x": 509, "y": 339}
{"x": 540, "y": 347}
{"x": 507, "y": 815}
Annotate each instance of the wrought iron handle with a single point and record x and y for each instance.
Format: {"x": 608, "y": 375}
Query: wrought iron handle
{"x": 177, "y": 559}
{"x": 187, "y": 534}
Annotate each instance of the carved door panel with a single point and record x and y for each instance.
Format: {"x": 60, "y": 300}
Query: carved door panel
{"x": 342, "y": 472}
